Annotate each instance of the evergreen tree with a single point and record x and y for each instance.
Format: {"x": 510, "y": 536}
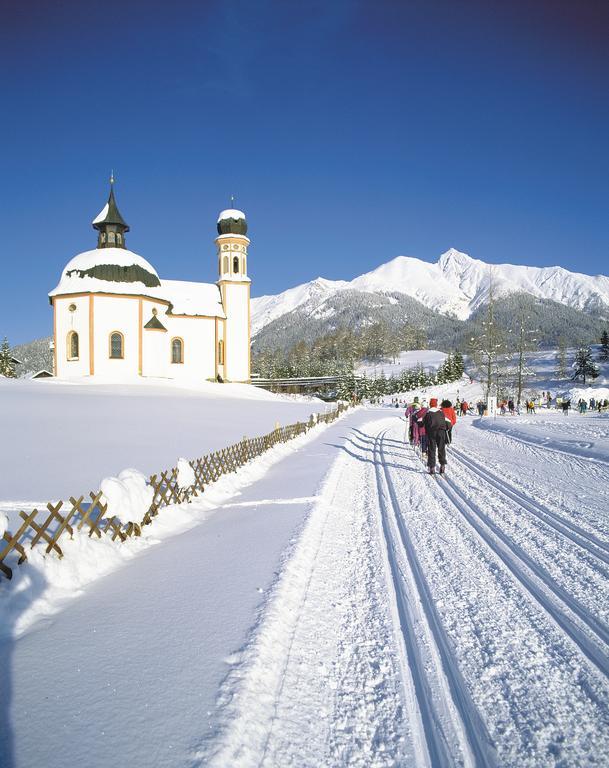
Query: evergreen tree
{"x": 603, "y": 354}
{"x": 6, "y": 360}
{"x": 584, "y": 365}
{"x": 458, "y": 365}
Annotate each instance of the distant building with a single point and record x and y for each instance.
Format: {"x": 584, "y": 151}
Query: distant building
{"x": 113, "y": 317}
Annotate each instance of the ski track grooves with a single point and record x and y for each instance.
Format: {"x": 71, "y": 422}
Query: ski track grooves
{"x": 510, "y": 552}
{"x": 539, "y": 445}
{"x": 471, "y": 726}
{"x": 566, "y": 528}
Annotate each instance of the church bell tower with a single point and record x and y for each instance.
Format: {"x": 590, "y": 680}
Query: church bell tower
{"x": 232, "y": 244}
{"x": 110, "y": 224}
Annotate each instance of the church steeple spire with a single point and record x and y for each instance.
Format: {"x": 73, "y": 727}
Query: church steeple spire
{"x": 110, "y": 224}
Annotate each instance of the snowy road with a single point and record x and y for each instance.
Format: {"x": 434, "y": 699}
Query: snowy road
{"x": 347, "y": 609}
{"x": 484, "y": 601}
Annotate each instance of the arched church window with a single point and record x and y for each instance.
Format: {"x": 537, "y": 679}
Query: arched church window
{"x": 236, "y": 265}
{"x": 72, "y": 347}
{"x": 118, "y": 238}
{"x": 110, "y": 237}
{"x": 225, "y": 264}
{"x": 220, "y": 352}
{"x": 116, "y": 345}
{"x": 177, "y": 351}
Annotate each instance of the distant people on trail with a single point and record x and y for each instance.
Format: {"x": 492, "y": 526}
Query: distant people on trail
{"x": 480, "y": 406}
{"x": 511, "y": 407}
{"x": 464, "y": 407}
{"x": 565, "y": 405}
{"x": 450, "y": 413}
{"x": 435, "y": 423}
{"x": 582, "y": 405}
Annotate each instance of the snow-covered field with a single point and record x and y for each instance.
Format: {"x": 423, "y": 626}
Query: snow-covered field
{"x": 62, "y": 438}
{"x": 430, "y": 359}
{"x": 333, "y": 605}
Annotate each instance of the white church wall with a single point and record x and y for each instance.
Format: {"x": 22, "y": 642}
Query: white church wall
{"x": 237, "y": 331}
{"x": 198, "y": 338}
{"x": 154, "y": 353}
{"x": 220, "y": 342}
{"x": 112, "y": 313}
{"x": 155, "y": 343}
{"x": 65, "y": 321}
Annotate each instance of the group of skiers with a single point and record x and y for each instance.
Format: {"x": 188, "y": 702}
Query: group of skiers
{"x": 430, "y": 429}
{"x": 560, "y": 403}
{"x": 583, "y": 406}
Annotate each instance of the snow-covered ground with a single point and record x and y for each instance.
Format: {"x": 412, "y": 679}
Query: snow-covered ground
{"x": 333, "y": 605}
{"x": 543, "y": 365}
{"x": 63, "y": 438}
{"x": 430, "y": 359}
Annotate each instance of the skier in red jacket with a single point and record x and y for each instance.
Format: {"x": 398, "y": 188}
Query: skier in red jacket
{"x": 451, "y": 414}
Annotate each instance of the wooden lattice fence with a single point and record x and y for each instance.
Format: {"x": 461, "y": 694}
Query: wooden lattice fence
{"x": 45, "y": 528}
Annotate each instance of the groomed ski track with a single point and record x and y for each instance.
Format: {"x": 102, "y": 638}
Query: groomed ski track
{"x": 347, "y": 609}
{"x": 489, "y": 610}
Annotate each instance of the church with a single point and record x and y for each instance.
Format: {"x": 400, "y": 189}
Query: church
{"x": 115, "y": 318}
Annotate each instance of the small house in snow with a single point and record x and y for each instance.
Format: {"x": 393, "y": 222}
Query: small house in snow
{"x": 113, "y": 316}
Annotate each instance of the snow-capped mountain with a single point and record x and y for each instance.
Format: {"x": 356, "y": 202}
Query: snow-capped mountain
{"x": 456, "y": 285}
{"x": 268, "y": 308}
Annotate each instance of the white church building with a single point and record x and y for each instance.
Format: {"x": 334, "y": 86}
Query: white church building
{"x": 114, "y": 317}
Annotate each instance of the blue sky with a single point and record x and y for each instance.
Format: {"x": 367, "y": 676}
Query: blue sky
{"x": 350, "y": 133}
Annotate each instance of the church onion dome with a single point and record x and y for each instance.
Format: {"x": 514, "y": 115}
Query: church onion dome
{"x": 232, "y": 222}
{"x": 107, "y": 270}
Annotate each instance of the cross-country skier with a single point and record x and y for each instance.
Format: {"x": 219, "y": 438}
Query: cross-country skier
{"x": 436, "y": 423}
{"x": 410, "y": 411}
{"x": 421, "y": 437}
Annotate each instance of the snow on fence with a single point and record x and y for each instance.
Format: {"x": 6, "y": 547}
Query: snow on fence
{"x": 91, "y": 515}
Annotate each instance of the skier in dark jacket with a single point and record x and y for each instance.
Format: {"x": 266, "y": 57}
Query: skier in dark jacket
{"x": 436, "y": 423}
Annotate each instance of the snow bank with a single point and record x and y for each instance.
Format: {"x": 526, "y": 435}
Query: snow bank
{"x": 186, "y": 474}
{"x": 128, "y": 496}
{"x": 585, "y": 393}
{"x": 3, "y": 524}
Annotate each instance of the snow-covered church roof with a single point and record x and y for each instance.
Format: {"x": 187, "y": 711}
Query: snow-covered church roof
{"x": 230, "y": 213}
{"x": 103, "y": 268}
{"x": 119, "y": 271}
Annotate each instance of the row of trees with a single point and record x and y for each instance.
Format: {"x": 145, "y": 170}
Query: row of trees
{"x": 337, "y": 353}
{"x": 358, "y": 387}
